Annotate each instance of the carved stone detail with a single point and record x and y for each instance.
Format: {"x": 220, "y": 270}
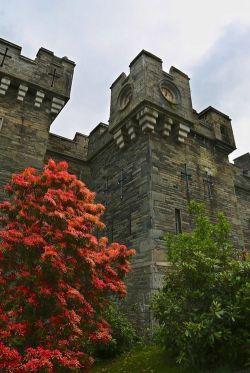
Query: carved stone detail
{"x": 131, "y": 130}
{"x": 147, "y": 119}
{"x": 56, "y": 105}
{"x": 22, "y": 90}
{"x": 4, "y": 85}
{"x": 39, "y": 98}
{"x": 182, "y": 132}
{"x": 119, "y": 138}
{"x": 167, "y": 125}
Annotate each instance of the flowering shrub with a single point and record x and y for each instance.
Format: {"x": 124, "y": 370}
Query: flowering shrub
{"x": 55, "y": 275}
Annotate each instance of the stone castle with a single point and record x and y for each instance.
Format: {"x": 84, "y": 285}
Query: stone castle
{"x": 155, "y": 154}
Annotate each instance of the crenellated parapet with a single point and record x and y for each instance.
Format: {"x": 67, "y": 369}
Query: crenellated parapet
{"x": 150, "y": 100}
{"x": 216, "y": 125}
{"x": 45, "y": 81}
{"x": 32, "y": 93}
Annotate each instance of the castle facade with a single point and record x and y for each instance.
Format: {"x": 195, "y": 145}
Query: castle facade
{"x": 155, "y": 154}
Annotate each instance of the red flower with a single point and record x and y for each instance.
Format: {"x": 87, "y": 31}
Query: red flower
{"x": 57, "y": 275}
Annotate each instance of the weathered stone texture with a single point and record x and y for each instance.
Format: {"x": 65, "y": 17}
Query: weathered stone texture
{"x": 73, "y": 151}
{"x": 155, "y": 155}
{"x": 241, "y": 172}
{"x": 31, "y": 95}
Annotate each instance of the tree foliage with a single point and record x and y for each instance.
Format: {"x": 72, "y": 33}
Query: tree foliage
{"x": 55, "y": 275}
{"x": 124, "y": 336}
{"x": 204, "y": 306}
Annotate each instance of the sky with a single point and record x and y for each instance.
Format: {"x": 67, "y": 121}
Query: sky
{"x": 208, "y": 40}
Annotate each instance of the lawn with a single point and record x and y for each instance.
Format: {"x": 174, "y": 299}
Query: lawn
{"x": 146, "y": 359}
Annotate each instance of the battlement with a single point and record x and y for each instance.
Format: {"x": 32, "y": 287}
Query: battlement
{"x": 46, "y": 78}
{"x": 150, "y": 99}
{"x": 76, "y": 148}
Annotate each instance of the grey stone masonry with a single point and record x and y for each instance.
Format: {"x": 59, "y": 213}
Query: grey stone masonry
{"x": 155, "y": 154}
{"x": 32, "y": 93}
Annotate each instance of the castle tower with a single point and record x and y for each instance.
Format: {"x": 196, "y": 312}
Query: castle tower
{"x": 156, "y": 155}
{"x": 32, "y": 93}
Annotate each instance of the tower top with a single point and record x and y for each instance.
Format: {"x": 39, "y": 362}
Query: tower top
{"x": 142, "y": 53}
{"x": 150, "y": 99}
{"x": 46, "y": 76}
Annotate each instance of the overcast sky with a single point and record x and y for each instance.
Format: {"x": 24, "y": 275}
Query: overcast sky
{"x": 208, "y": 40}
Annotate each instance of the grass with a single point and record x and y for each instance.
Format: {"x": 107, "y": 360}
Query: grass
{"x": 145, "y": 359}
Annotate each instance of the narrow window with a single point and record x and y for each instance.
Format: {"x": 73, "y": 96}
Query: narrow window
{"x": 130, "y": 223}
{"x": 1, "y": 123}
{"x": 178, "y": 221}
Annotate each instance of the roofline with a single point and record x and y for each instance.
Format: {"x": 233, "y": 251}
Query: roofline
{"x": 10, "y": 44}
{"x": 211, "y": 108}
{"x": 241, "y": 156}
{"x": 173, "y": 68}
{"x": 147, "y": 54}
{"x": 101, "y": 124}
{"x": 122, "y": 75}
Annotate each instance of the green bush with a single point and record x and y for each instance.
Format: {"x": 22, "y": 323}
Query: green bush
{"x": 123, "y": 334}
{"x": 204, "y": 306}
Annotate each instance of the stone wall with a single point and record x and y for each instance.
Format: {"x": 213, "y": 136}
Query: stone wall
{"x": 73, "y": 151}
{"x": 242, "y": 190}
{"x": 23, "y": 135}
{"x": 169, "y": 189}
{"x": 121, "y": 179}
{"x": 32, "y": 93}
{"x": 156, "y": 154}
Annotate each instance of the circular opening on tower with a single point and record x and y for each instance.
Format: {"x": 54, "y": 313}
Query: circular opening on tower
{"x": 170, "y": 92}
{"x": 125, "y": 96}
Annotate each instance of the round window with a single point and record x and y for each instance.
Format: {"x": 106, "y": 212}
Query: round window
{"x": 125, "y": 96}
{"x": 170, "y": 92}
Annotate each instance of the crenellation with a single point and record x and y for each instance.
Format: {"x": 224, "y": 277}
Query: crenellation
{"x": 155, "y": 155}
{"x": 47, "y": 73}
{"x": 243, "y": 162}
{"x": 29, "y": 104}
{"x": 76, "y": 148}
{"x": 99, "y": 138}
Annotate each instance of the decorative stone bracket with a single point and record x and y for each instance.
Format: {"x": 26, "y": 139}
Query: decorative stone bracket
{"x": 182, "y": 132}
{"x": 119, "y": 138}
{"x": 56, "y": 105}
{"x": 4, "y": 85}
{"x": 147, "y": 119}
{"x": 131, "y": 128}
{"x": 167, "y": 125}
{"x": 22, "y": 90}
{"x": 39, "y": 98}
